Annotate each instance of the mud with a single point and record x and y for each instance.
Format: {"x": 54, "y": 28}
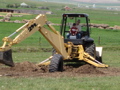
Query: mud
{"x": 28, "y": 69}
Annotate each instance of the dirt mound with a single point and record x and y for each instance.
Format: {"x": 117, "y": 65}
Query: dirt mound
{"x": 28, "y": 69}
{"x": 85, "y": 69}
{"x": 23, "y": 69}
{"x": 88, "y": 69}
{"x": 25, "y": 66}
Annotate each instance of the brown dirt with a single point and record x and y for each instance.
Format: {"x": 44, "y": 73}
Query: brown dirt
{"x": 28, "y": 69}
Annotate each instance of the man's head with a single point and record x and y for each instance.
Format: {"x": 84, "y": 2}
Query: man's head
{"x": 78, "y": 22}
{"x": 74, "y": 24}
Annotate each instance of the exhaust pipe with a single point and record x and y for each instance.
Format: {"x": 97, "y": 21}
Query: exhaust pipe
{"x": 6, "y": 58}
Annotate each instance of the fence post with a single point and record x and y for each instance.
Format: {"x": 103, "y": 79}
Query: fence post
{"x": 99, "y": 40}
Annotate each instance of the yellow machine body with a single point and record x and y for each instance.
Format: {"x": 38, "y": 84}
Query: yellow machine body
{"x": 69, "y": 51}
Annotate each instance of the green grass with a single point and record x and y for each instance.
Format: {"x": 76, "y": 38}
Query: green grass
{"x": 62, "y": 83}
{"x": 107, "y": 37}
{"x": 26, "y": 17}
{"x": 34, "y": 40}
{"x": 31, "y": 56}
{"x": 96, "y": 16}
{"x": 111, "y": 57}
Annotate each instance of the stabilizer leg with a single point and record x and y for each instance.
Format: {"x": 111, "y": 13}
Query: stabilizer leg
{"x": 87, "y": 58}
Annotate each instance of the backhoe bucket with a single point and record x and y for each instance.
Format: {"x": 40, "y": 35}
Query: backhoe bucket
{"x": 6, "y": 58}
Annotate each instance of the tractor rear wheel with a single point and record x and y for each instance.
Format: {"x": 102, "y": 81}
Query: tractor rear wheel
{"x": 56, "y": 63}
{"x": 90, "y": 49}
{"x": 98, "y": 57}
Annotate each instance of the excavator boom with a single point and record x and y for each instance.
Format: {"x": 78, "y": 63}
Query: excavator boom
{"x": 26, "y": 30}
{"x": 53, "y": 37}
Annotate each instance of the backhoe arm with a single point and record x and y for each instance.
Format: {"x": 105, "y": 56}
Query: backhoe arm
{"x": 26, "y": 30}
{"x": 53, "y": 37}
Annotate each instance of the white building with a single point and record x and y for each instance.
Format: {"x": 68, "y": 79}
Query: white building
{"x": 23, "y": 4}
{"x": 94, "y": 6}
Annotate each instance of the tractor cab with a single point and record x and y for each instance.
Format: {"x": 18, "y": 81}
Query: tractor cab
{"x": 83, "y": 30}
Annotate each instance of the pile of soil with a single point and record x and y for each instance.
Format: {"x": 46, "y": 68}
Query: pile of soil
{"x": 28, "y": 69}
{"x": 85, "y": 69}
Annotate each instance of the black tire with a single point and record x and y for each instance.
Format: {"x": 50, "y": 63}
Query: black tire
{"x": 53, "y": 51}
{"x": 90, "y": 49}
{"x": 56, "y": 63}
{"x": 98, "y": 57}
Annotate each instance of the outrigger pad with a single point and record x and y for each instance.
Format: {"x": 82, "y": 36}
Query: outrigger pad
{"x": 6, "y": 58}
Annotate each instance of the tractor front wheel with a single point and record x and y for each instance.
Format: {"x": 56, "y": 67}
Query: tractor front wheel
{"x": 56, "y": 63}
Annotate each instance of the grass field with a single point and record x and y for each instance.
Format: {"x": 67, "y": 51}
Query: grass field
{"x": 64, "y": 83}
{"x": 109, "y": 39}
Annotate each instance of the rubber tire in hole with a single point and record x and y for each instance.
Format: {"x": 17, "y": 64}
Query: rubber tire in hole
{"x": 56, "y": 63}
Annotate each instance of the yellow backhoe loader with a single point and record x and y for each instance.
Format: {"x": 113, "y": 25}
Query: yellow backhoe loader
{"x": 65, "y": 49}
